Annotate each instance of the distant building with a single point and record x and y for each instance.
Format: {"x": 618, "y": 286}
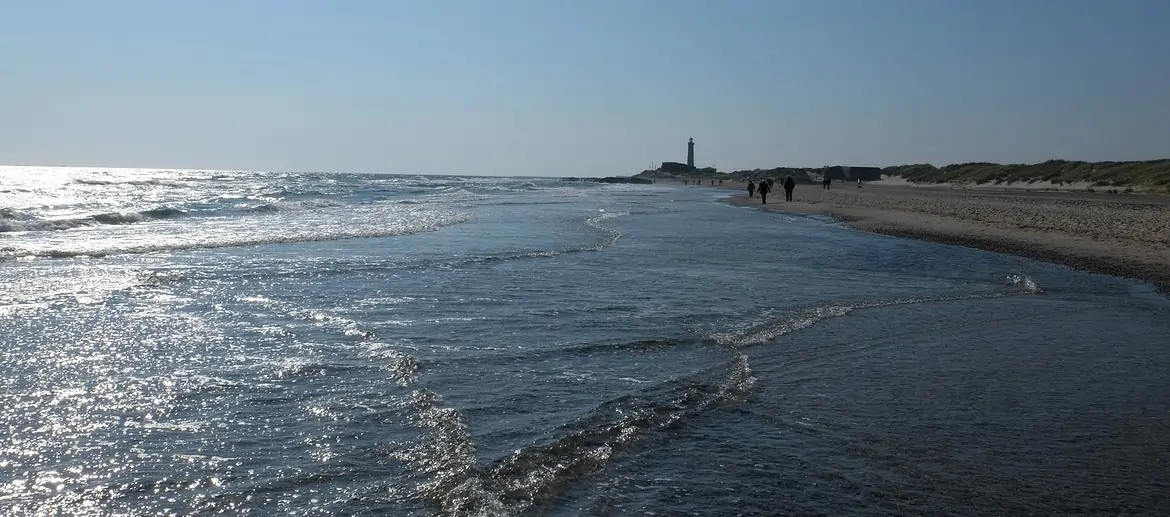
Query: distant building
{"x": 847, "y": 173}
{"x": 691, "y": 153}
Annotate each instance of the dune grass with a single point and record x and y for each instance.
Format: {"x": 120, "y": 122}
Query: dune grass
{"x": 1151, "y": 174}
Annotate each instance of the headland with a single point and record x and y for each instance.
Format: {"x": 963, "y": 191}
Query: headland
{"x": 1126, "y": 176}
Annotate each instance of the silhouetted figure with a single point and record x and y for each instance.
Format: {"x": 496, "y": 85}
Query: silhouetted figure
{"x": 764, "y": 189}
{"x": 720, "y": 183}
{"x": 751, "y": 189}
{"x": 789, "y": 184}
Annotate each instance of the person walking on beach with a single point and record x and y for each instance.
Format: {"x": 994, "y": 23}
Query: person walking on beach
{"x": 751, "y": 189}
{"x": 764, "y": 189}
{"x": 789, "y": 184}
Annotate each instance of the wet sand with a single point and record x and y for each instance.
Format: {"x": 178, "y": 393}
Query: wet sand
{"x": 1117, "y": 234}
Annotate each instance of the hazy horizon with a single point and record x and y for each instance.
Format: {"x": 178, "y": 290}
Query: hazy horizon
{"x": 528, "y": 88}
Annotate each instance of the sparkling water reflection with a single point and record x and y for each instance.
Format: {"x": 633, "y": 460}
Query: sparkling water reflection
{"x": 193, "y": 342}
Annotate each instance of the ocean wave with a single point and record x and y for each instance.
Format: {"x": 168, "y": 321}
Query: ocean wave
{"x": 11, "y": 221}
{"x": 149, "y": 182}
{"x": 295, "y": 367}
{"x": 457, "y": 194}
{"x": 1023, "y": 281}
{"x": 281, "y": 206}
{"x": 293, "y": 192}
{"x": 581, "y": 350}
{"x": 402, "y": 366}
{"x": 792, "y": 320}
{"x": 526, "y": 203}
{"x": 445, "y": 458}
{"x": 532, "y": 476}
{"x": 609, "y": 236}
{"x": 235, "y": 232}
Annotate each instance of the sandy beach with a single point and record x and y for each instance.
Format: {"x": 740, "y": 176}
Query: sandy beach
{"x": 1117, "y": 234}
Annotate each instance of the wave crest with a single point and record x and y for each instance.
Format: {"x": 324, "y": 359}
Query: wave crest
{"x": 235, "y": 232}
{"x": 19, "y": 222}
{"x": 149, "y": 182}
{"x": 445, "y": 457}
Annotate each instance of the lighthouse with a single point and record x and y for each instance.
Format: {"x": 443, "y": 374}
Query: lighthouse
{"x": 691, "y": 153}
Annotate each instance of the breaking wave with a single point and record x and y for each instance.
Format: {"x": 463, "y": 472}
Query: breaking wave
{"x": 792, "y": 320}
{"x": 444, "y": 460}
{"x": 608, "y": 236}
{"x": 11, "y": 221}
{"x": 281, "y": 206}
{"x": 1023, "y": 281}
{"x": 148, "y": 182}
{"x": 240, "y": 232}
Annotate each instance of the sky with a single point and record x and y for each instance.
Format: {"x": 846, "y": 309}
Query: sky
{"x": 581, "y": 88}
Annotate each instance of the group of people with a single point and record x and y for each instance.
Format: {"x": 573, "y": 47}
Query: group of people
{"x": 766, "y": 186}
{"x": 827, "y": 183}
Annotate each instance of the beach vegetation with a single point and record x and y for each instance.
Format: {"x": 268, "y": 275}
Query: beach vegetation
{"x": 1147, "y": 173}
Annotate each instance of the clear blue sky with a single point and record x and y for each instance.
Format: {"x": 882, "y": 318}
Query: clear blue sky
{"x": 597, "y": 87}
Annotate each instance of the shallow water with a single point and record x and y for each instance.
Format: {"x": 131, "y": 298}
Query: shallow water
{"x": 191, "y": 342}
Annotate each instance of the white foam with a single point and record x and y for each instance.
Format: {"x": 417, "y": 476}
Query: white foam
{"x": 802, "y": 318}
{"x": 351, "y": 222}
{"x": 1024, "y": 281}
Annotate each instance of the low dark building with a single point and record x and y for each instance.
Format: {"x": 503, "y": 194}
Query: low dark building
{"x": 847, "y": 173}
{"x": 612, "y": 179}
{"x": 674, "y": 167}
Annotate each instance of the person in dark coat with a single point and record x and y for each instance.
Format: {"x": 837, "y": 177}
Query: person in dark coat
{"x": 789, "y": 184}
{"x": 764, "y": 189}
{"x": 751, "y": 188}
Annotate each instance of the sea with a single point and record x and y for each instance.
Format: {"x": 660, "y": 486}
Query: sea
{"x": 185, "y": 342}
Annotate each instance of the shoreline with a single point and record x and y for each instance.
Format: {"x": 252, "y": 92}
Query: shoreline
{"x": 1125, "y": 236}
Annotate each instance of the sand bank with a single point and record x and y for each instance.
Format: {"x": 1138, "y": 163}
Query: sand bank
{"x": 1118, "y": 234}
